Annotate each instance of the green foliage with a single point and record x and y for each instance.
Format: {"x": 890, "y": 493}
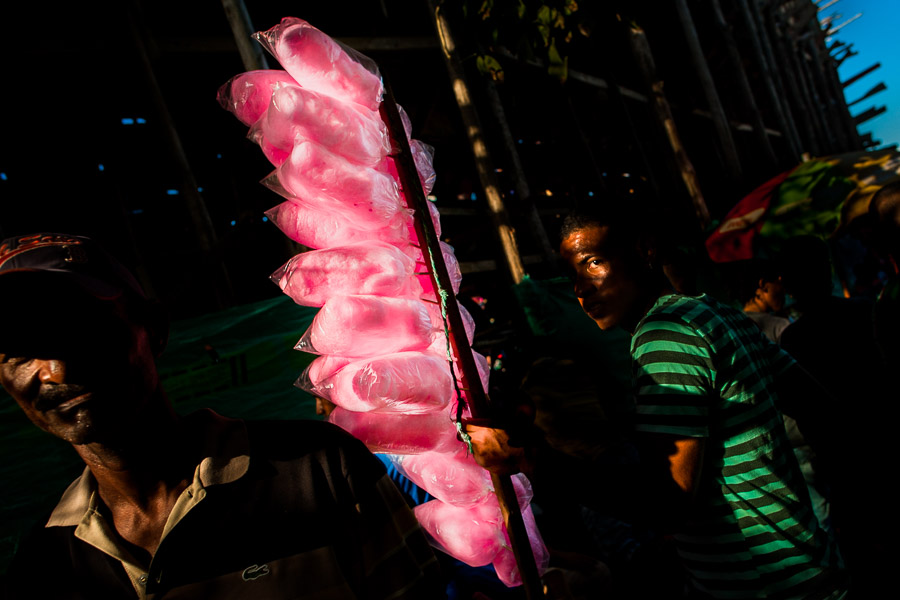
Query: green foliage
{"x": 488, "y": 65}
{"x": 532, "y": 29}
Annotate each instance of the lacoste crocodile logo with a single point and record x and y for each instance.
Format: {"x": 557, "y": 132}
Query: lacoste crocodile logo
{"x": 254, "y": 572}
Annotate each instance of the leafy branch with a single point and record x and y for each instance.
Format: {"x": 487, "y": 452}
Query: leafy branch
{"x": 532, "y": 29}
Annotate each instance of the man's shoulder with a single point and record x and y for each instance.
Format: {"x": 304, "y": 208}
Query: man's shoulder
{"x": 301, "y": 437}
{"x": 290, "y": 441}
{"x": 677, "y": 313}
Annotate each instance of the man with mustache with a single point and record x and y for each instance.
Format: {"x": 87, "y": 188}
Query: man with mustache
{"x": 191, "y": 507}
{"x": 716, "y": 466}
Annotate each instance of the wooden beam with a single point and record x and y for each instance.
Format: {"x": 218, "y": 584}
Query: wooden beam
{"x": 720, "y": 122}
{"x": 784, "y": 58}
{"x": 860, "y": 75}
{"x": 483, "y": 161}
{"x": 602, "y": 84}
{"x": 771, "y": 74}
{"x": 872, "y": 91}
{"x": 662, "y": 112}
{"x": 743, "y": 83}
{"x": 391, "y": 44}
{"x": 520, "y": 181}
{"x": 868, "y": 114}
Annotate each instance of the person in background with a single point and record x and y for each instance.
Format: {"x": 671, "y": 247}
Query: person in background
{"x": 715, "y": 465}
{"x": 764, "y": 298}
{"x": 199, "y": 506}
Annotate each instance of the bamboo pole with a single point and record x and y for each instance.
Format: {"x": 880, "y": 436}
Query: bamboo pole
{"x": 483, "y": 162}
{"x": 520, "y": 181}
{"x": 811, "y": 110}
{"x": 200, "y": 219}
{"x": 470, "y": 380}
{"x": 819, "y": 107}
{"x": 784, "y": 61}
{"x": 829, "y": 67}
{"x": 834, "y": 120}
{"x": 610, "y": 38}
{"x": 764, "y": 58}
{"x": 252, "y": 54}
{"x": 746, "y": 92}
{"x": 720, "y": 120}
{"x": 663, "y": 113}
{"x": 860, "y": 75}
{"x": 807, "y": 35}
{"x": 253, "y": 58}
{"x": 880, "y": 87}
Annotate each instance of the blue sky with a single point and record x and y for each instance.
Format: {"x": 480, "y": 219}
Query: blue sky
{"x": 876, "y": 36}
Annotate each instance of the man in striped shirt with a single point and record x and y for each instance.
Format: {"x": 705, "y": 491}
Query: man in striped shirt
{"x": 704, "y": 381}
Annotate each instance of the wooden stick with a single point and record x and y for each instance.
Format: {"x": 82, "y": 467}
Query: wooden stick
{"x": 440, "y": 278}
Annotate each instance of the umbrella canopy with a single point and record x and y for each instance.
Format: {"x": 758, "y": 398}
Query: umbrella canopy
{"x": 818, "y": 197}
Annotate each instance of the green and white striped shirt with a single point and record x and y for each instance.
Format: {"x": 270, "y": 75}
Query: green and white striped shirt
{"x": 704, "y": 370}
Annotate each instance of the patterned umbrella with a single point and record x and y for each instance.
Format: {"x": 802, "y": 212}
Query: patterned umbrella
{"x": 818, "y": 197}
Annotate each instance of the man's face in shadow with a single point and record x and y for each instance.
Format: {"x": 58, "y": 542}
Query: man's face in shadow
{"x": 78, "y": 367}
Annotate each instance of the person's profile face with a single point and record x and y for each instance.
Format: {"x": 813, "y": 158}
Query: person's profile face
{"x": 77, "y": 367}
{"x": 772, "y": 294}
{"x": 606, "y": 281}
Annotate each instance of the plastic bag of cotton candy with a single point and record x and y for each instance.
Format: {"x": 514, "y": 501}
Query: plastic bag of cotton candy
{"x": 363, "y": 326}
{"x": 384, "y": 359}
{"x": 475, "y": 533}
{"x": 327, "y": 181}
{"x": 311, "y": 227}
{"x": 364, "y": 268}
{"x": 323, "y": 64}
{"x": 402, "y": 383}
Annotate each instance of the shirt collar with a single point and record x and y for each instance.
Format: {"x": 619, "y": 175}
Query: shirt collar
{"x": 226, "y": 452}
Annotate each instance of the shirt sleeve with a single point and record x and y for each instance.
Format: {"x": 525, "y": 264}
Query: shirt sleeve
{"x": 673, "y": 378}
{"x": 398, "y": 563}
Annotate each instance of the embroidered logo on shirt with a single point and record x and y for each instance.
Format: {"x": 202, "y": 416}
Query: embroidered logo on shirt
{"x": 254, "y": 572}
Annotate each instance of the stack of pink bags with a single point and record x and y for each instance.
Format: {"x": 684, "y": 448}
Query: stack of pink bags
{"x": 379, "y": 334}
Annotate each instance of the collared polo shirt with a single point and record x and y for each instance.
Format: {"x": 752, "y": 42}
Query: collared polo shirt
{"x": 282, "y": 509}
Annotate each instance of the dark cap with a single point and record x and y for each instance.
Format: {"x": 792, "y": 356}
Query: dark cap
{"x": 77, "y": 259}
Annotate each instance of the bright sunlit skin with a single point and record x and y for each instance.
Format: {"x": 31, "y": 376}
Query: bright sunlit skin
{"x": 611, "y": 288}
